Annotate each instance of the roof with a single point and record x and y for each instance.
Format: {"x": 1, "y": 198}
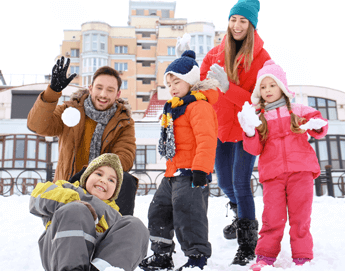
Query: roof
{"x": 155, "y": 107}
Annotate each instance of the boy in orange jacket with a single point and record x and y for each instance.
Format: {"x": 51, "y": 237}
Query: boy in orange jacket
{"x": 188, "y": 141}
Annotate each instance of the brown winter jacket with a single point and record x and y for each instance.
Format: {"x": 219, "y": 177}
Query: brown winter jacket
{"x": 118, "y": 137}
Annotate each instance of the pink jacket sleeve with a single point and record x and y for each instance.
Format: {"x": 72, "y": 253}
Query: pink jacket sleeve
{"x": 252, "y": 145}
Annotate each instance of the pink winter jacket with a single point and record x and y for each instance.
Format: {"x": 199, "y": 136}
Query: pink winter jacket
{"x": 285, "y": 151}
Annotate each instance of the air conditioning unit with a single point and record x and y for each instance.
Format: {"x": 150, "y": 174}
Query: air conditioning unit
{"x": 180, "y": 27}
{"x": 174, "y": 27}
{"x": 67, "y": 53}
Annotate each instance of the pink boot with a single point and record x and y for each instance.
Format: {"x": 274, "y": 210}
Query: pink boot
{"x": 262, "y": 261}
{"x": 300, "y": 261}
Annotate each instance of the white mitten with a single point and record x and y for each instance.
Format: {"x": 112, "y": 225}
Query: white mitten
{"x": 248, "y": 119}
{"x": 218, "y": 73}
{"x": 182, "y": 44}
{"x": 313, "y": 124}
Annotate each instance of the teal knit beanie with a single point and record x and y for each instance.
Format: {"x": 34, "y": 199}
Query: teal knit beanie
{"x": 247, "y": 8}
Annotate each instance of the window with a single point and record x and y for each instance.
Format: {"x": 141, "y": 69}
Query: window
{"x": 171, "y": 50}
{"x": 145, "y": 154}
{"x": 201, "y": 49}
{"x": 146, "y": 81}
{"x": 121, "y": 66}
{"x": 94, "y": 42}
{"x": 146, "y": 34}
{"x": 121, "y": 49}
{"x": 87, "y": 42}
{"x": 140, "y": 12}
{"x": 23, "y": 151}
{"x": 328, "y": 108}
{"x": 75, "y": 69}
{"x": 74, "y": 52}
{"x": 102, "y": 42}
{"x": 330, "y": 150}
{"x": 124, "y": 84}
{"x": 152, "y": 12}
{"x": 165, "y": 13}
{"x": 144, "y": 98}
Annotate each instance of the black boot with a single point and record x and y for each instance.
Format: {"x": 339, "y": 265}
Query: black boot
{"x": 157, "y": 262}
{"x": 247, "y": 237}
{"x": 230, "y": 230}
{"x": 194, "y": 261}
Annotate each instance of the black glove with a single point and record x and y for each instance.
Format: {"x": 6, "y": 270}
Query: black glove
{"x": 59, "y": 80}
{"x": 77, "y": 176}
{"x": 199, "y": 178}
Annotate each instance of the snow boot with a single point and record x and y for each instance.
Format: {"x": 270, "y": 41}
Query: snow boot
{"x": 157, "y": 262}
{"x": 194, "y": 261}
{"x": 300, "y": 261}
{"x": 247, "y": 238}
{"x": 230, "y": 230}
{"x": 262, "y": 261}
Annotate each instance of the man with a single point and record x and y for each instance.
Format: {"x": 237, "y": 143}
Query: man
{"x": 105, "y": 126}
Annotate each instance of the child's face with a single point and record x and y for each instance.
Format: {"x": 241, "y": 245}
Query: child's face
{"x": 238, "y": 26}
{"x": 177, "y": 87}
{"x": 269, "y": 90}
{"x": 102, "y": 182}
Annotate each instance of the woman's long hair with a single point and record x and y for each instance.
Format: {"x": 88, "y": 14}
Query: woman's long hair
{"x": 296, "y": 121}
{"x": 232, "y": 59}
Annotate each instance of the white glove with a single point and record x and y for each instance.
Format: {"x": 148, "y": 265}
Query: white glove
{"x": 313, "y": 124}
{"x": 218, "y": 73}
{"x": 248, "y": 119}
{"x": 182, "y": 44}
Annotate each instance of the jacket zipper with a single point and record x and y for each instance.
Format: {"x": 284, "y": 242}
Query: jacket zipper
{"x": 282, "y": 140}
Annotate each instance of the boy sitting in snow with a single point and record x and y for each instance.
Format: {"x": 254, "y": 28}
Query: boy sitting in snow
{"x": 84, "y": 230}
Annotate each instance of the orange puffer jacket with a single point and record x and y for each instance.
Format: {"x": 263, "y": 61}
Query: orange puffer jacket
{"x": 196, "y": 133}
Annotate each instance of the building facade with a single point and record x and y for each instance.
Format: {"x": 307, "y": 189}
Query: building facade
{"x": 140, "y": 51}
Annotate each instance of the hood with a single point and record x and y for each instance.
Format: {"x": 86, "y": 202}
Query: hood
{"x": 77, "y": 97}
{"x": 209, "y": 88}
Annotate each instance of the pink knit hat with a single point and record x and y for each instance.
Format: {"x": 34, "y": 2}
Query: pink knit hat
{"x": 274, "y": 71}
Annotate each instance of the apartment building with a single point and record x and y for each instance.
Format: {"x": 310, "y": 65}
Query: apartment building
{"x": 140, "y": 51}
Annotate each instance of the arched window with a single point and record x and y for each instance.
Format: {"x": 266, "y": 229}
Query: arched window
{"x": 328, "y": 108}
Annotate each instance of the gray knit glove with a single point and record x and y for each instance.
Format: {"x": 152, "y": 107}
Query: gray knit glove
{"x": 218, "y": 73}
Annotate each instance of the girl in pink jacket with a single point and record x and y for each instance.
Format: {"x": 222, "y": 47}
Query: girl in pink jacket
{"x": 287, "y": 164}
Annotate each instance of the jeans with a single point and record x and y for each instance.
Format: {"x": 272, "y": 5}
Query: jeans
{"x": 234, "y": 167}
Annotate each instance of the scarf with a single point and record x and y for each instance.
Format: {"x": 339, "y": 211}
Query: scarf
{"x": 173, "y": 109}
{"x": 279, "y": 103}
{"x": 102, "y": 118}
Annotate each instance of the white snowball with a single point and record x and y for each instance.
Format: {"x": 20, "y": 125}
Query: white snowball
{"x": 71, "y": 116}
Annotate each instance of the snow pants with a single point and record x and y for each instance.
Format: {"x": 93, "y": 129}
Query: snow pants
{"x": 290, "y": 193}
{"x": 176, "y": 206}
{"x": 70, "y": 242}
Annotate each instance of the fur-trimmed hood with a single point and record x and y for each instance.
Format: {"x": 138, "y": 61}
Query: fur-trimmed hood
{"x": 77, "y": 96}
{"x": 209, "y": 88}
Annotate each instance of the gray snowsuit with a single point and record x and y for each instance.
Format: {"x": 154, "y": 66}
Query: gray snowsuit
{"x": 73, "y": 240}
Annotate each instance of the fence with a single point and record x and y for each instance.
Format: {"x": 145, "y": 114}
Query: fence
{"x": 21, "y": 181}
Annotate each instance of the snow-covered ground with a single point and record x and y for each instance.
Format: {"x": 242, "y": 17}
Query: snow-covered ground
{"x": 20, "y": 230}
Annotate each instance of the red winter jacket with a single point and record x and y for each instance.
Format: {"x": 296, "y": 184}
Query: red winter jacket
{"x": 285, "y": 151}
{"x": 230, "y": 103}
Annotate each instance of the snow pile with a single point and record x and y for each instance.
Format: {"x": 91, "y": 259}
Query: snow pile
{"x": 20, "y": 231}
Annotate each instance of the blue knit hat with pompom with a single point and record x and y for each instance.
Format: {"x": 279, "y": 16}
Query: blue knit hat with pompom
{"x": 185, "y": 68}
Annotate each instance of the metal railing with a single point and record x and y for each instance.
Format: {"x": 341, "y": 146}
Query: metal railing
{"x": 21, "y": 181}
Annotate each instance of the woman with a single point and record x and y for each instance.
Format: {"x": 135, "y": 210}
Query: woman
{"x": 241, "y": 55}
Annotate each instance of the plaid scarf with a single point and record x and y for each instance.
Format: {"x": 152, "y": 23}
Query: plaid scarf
{"x": 173, "y": 109}
{"x": 102, "y": 118}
